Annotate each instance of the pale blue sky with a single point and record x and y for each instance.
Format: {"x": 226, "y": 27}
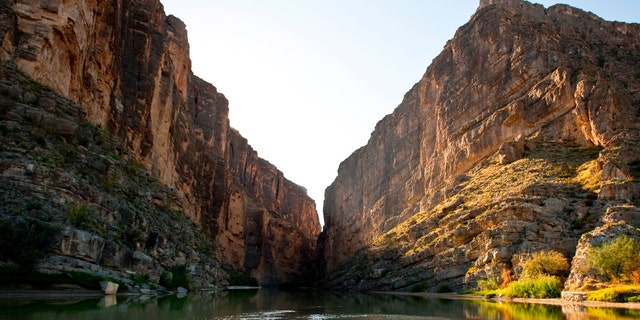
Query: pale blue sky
{"x": 308, "y": 80}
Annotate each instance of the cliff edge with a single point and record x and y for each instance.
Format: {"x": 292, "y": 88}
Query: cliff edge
{"x": 522, "y": 135}
{"x": 127, "y": 65}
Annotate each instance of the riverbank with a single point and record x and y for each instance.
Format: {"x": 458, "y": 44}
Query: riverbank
{"x": 62, "y": 294}
{"x": 51, "y": 294}
{"x": 556, "y": 302}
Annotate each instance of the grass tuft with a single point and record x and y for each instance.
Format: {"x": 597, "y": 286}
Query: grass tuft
{"x": 542, "y": 287}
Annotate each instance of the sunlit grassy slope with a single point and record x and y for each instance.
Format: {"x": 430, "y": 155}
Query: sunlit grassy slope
{"x": 494, "y": 215}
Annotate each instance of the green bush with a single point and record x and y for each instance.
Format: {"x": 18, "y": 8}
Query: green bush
{"x": 140, "y": 278}
{"x": 165, "y": 279}
{"x": 89, "y": 280}
{"x": 178, "y": 276}
{"x": 616, "y": 259}
{"x": 24, "y": 242}
{"x": 418, "y": 287}
{"x": 545, "y": 263}
{"x": 240, "y": 278}
{"x": 488, "y": 284}
{"x": 12, "y": 276}
{"x": 443, "y": 288}
{"x": 616, "y": 294}
{"x": 69, "y": 153}
{"x": 542, "y": 287}
{"x": 79, "y": 216}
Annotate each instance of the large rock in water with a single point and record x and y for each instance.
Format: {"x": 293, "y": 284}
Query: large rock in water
{"x": 550, "y": 92}
{"x": 109, "y": 288}
{"x": 127, "y": 64}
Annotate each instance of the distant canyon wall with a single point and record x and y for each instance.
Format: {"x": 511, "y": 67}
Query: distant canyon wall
{"x": 515, "y": 72}
{"x": 128, "y": 65}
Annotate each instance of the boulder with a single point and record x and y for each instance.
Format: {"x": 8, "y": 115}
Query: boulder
{"x": 108, "y": 287}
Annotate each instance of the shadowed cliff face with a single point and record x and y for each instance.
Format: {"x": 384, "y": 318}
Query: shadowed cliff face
{"x": 127, "y": 65}
{"x": 515, "y": 78}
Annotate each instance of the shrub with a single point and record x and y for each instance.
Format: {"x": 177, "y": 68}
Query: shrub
{"x": 418, "y": 287}
{"x": 506, "y": 276}
{"x": 617, "y": 259}
{"x": 240, "y": 278}
{"x": 488, "y": 284}
{"x": 635, "y": 277}
{"x": 542, "y": 287}
{"x": 69, "y": 153}
{"x": 88, "y": 280}
{"x": 25, "y": 242}
{"x": 165, "y": 279}
{"x": 140, "y": 278}
{"x": 443, "y": 288}
{"x": 616, "y": 294}
{"x": 78, "y": 216}
{"x": 11, "y": 276}
{"x": 545, "y": 263}
{"x": 177, "y": 277}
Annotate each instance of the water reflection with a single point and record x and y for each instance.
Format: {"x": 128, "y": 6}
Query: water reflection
{"x": 264, "y": 304}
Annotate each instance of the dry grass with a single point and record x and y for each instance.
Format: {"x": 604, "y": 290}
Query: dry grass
{"x": 635, "y": 277}
{"x": 489, "y": 185}
{"x": 589, "y": 175}
{"x": 507, "y": 277}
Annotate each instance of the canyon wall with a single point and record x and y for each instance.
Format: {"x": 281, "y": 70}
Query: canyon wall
{"x": 516, "y": 80}
{"x": 127, "y": 64}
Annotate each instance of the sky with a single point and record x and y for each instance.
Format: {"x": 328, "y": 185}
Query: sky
{"x": 307, "y": 80}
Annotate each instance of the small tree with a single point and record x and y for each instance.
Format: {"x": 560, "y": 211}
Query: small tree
{"x": 635, "y": 277}
{"x": 617, "y": 259}
{"x": 177, "y": 277}
{"x": 545, "y": 263}
{"x": 506, "y": 276}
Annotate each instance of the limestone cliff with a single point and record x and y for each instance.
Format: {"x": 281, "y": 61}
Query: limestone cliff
{"x": 75, "y": 201}
{"x": 521, "y": 134}
{"x": 127, "y": 64}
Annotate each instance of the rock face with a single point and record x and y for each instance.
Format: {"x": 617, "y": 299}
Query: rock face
{"x": 127, "y": 64}
{"x": 517, "y": 81}
{"x": 75, "y": 200}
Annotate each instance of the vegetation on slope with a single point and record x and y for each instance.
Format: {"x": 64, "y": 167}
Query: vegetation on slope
{"x": 60, "y": 172}
{"x": 543, "y": 171}
{"x": 546, "y": 198}
{"x": 543, "y": 274}
{"x": 617, "y": 260}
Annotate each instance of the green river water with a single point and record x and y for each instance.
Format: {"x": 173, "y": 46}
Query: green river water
{"x": 267, "y": 304}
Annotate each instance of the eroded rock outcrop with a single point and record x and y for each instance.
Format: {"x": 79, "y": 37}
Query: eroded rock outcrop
{"x": 127, "y": 64}
{"x": 74, "y": 200}
{"x": 516, "y": 80}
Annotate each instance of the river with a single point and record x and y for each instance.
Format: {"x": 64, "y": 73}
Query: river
{"x": 267, "y": 304}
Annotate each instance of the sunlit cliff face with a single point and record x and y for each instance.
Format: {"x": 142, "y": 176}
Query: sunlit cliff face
{"x": 516, "y": 76}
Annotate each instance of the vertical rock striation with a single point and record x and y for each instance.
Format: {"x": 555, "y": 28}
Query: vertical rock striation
{"x": 516, "y": 75}
{"x": 128, "y": 65}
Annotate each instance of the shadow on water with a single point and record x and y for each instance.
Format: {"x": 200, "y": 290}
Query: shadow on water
{"x": 267, "y": 304}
